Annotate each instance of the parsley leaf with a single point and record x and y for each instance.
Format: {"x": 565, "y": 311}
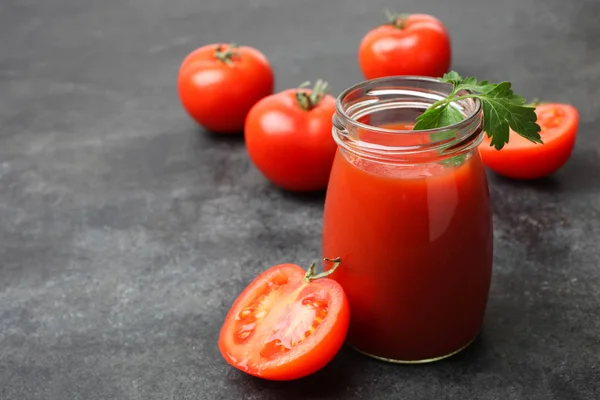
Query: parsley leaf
{"x": 502, "y": 109}
{"x": 444, "y": 115}
{"x": 441, "y": 116}
{"x": 452, "y": 77}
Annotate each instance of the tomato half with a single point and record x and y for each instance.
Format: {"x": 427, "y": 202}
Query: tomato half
{"x": 522, "y": 159}
{"x": 218, "y": 84}
{"x": 415, "y": 44}
{"x": 283, "y": 326}
{"x": 288, "y": 138}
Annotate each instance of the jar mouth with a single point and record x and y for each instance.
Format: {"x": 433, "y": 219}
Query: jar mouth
{"x": 413, "y": 94}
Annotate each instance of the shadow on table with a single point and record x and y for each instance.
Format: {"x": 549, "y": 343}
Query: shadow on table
{"x": 214, "y": 137}
{"x": 352, "y": 375}
{"x": 580, "y": 174}
{"x": 547, "y": 184}
{"x": 317, "y": 197}
{"x": 333, "y": 381}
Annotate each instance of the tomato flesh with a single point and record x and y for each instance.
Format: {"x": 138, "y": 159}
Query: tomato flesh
{"x": 282, "y": 327}
{"x": 522, "y": 159}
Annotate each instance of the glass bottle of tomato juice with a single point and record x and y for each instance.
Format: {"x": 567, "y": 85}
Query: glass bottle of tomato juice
{"x": 409, "y": 214}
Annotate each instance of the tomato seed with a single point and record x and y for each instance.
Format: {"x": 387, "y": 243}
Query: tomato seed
{"x": 245, "y": 313}
{"x": 244, "y": 334}
{"x": 307, "y": 301}
{"x": 273, "y": 348}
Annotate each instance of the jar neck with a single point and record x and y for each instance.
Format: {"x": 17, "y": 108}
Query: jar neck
{"x": 374, "y": 120}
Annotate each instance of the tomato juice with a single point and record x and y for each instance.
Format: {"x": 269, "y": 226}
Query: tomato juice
{"x": 416, "y": 247}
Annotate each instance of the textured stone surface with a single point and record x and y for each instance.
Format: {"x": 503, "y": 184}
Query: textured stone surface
{"x": 126, "y": 231}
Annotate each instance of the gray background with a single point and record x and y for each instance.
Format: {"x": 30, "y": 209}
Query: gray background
{"x": 126, "y": 231}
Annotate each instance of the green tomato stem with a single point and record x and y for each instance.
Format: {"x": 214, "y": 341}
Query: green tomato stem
{"x": 398, "y": 21}
{"x": 226, "y": 56}
{"x": 308, "y": 101}
{"x": 311, "y": 274}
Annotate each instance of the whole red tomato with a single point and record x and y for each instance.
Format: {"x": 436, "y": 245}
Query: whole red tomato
{"x": 415, "y": 44}
{"x": 288, "y": 137}
{"x": 219, "y": 83}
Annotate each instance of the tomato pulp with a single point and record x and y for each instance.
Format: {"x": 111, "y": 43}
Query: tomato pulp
{"x": 285, "y": 325}
{"x": 416, "y": 249}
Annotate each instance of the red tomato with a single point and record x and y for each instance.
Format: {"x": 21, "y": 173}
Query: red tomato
{"x": 522, "y": 159}
{"x": 288, "y": 137}
{"x": 416, "y": 44}
{"x": 284, "y": 326}
{"x": 218, "y": 84}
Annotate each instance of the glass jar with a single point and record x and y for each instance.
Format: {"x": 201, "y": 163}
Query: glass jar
{"x": 409, "y": 214}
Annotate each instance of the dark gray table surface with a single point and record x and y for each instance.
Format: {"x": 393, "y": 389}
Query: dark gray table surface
{"x": 126, "y": 231}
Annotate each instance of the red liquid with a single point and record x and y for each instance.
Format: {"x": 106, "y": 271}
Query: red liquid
{"x": 416, "y": 249}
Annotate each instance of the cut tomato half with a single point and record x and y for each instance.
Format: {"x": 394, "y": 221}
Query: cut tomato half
{"x": 286, "y": 324}
{"x": 522, "y": 159}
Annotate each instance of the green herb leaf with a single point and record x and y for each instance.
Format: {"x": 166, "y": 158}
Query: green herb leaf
{"x": 502, "y": 109}
{"x": 445, "y": 115}
{"x": 441, "y": 116}
{"x": 452, "y": 77}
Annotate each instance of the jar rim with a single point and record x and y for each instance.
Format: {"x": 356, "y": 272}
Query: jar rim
{"x": 396, "y": 79}
{"x": 403, "y": 91}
